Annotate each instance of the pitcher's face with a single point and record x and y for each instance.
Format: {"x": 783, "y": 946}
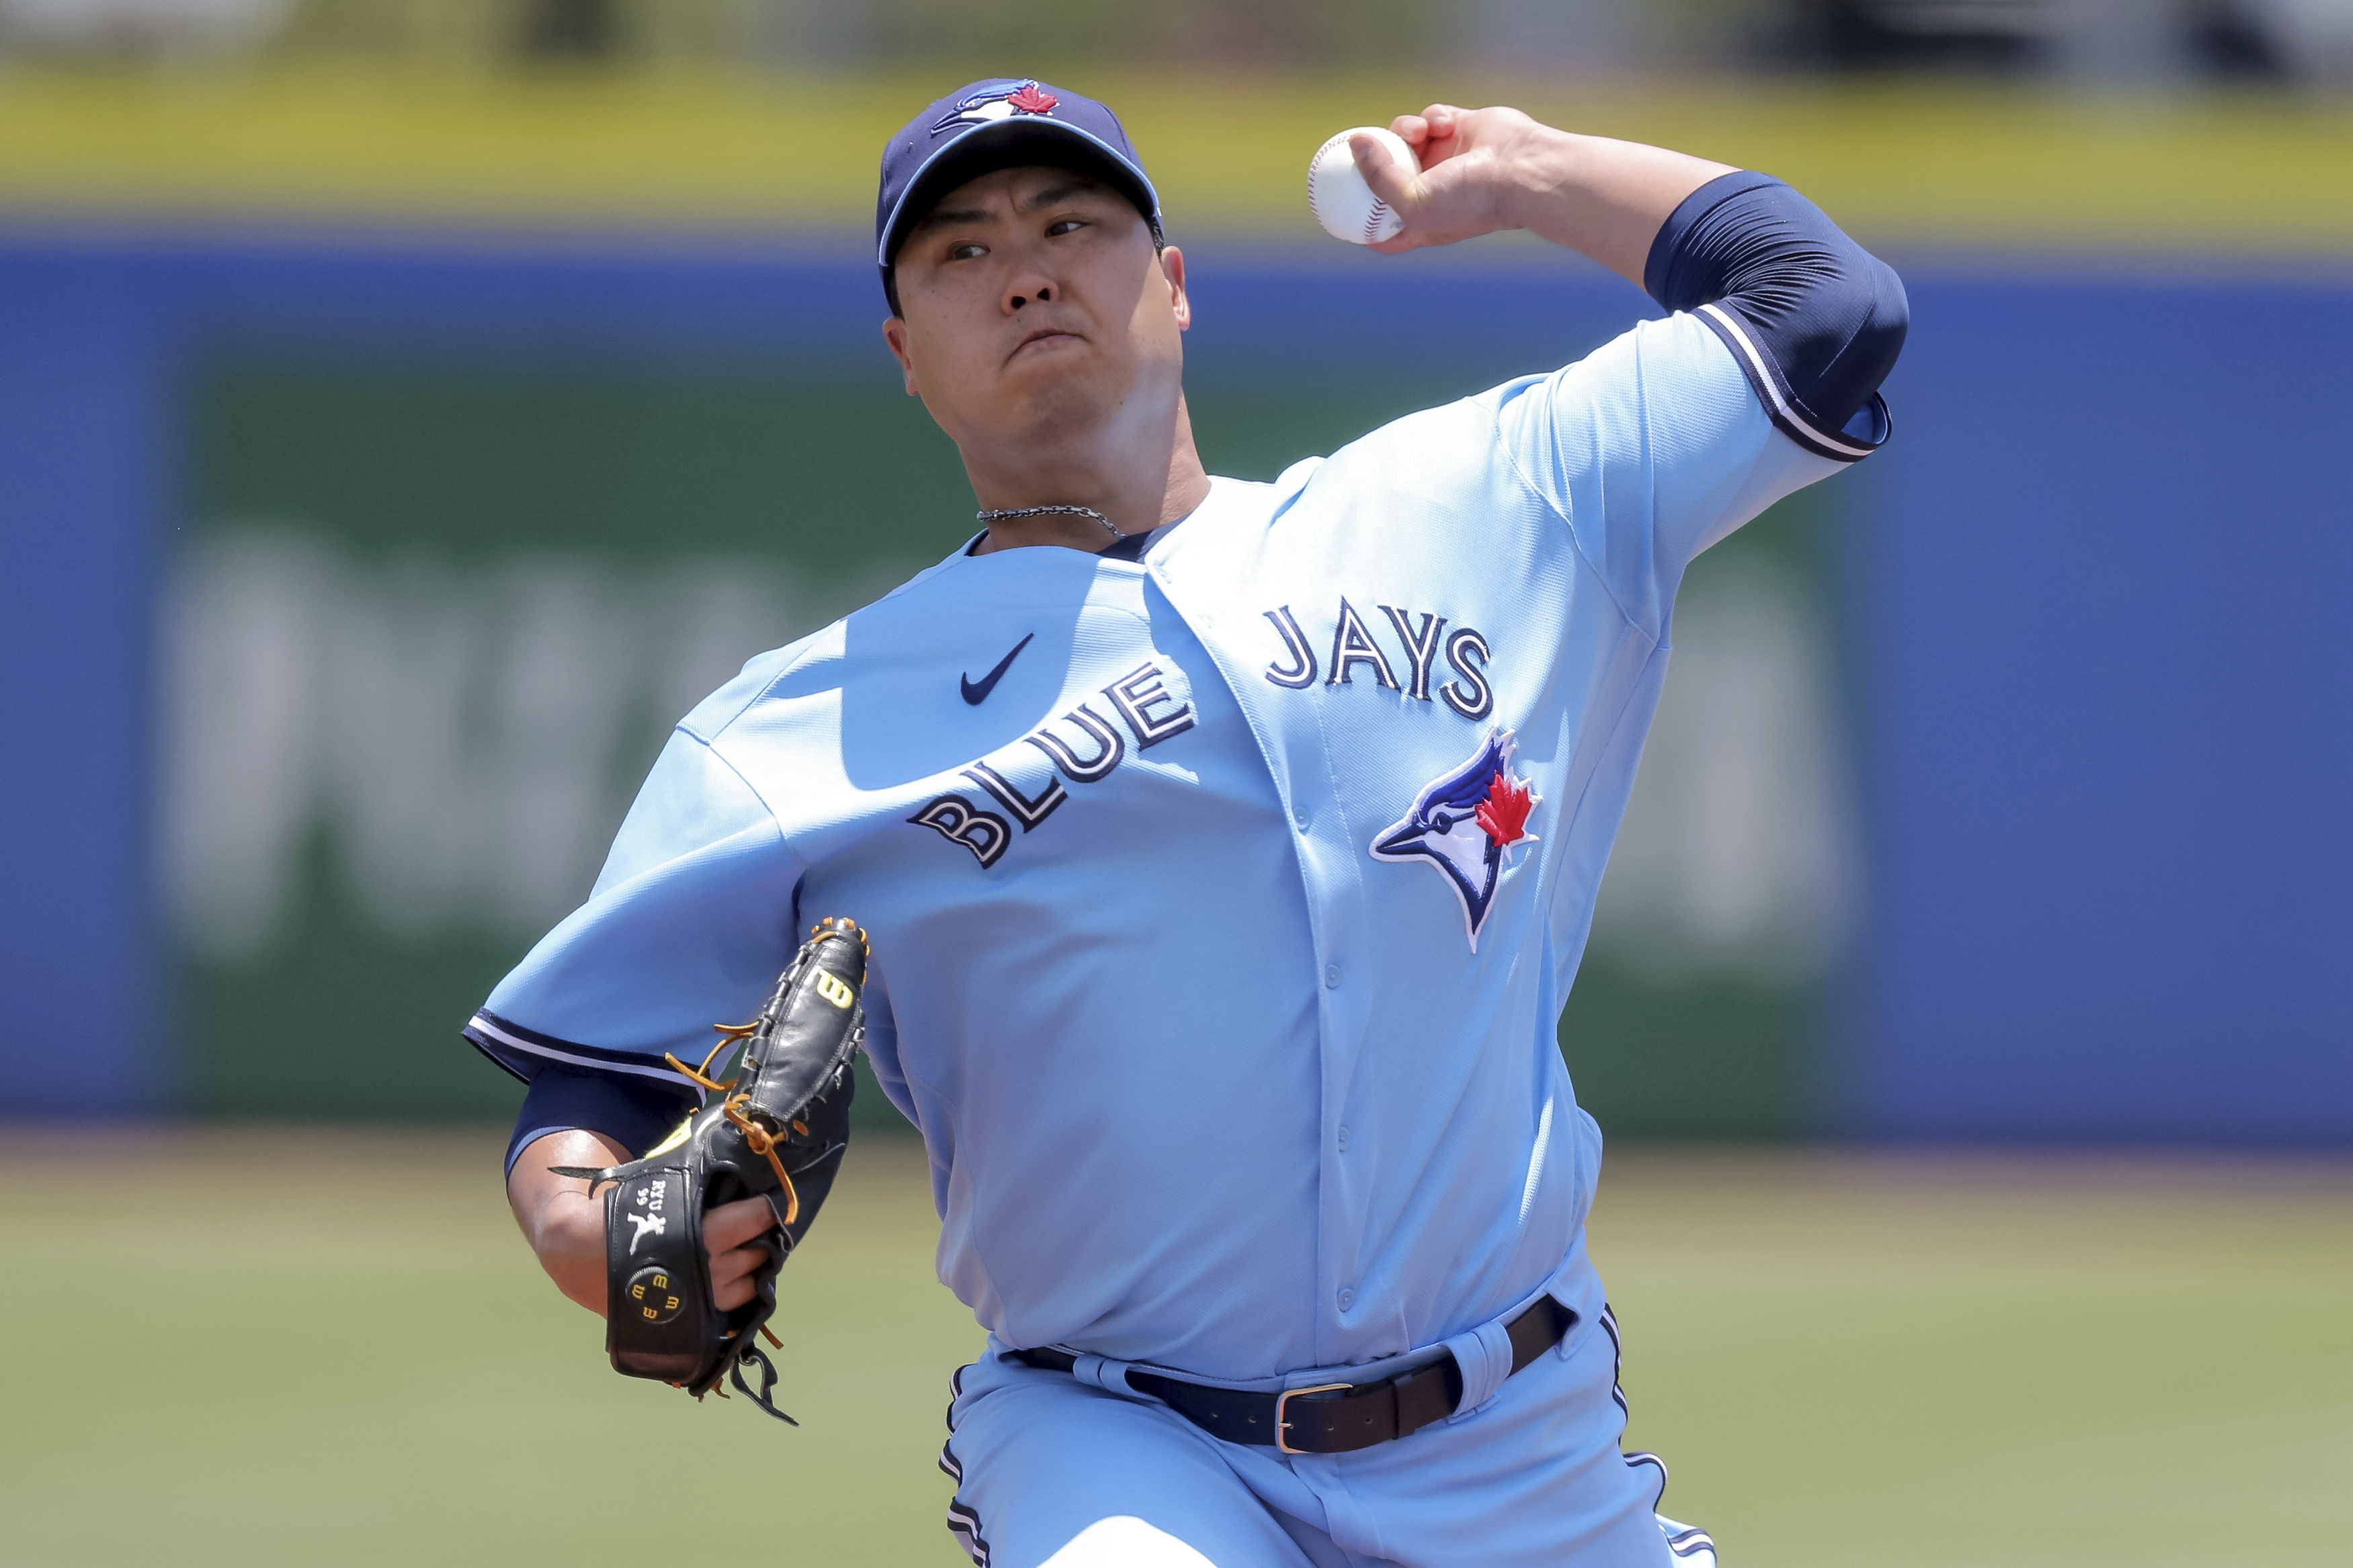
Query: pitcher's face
{"x": 1035, "y": 308}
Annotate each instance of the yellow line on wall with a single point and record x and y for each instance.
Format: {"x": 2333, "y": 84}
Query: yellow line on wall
{"x": 1920, "y": 164}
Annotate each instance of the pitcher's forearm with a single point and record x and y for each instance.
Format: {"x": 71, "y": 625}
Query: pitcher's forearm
{"x": 1488, "y": 168}
{"x": 1603, "y": 198}
{"x": 563, "y": 1221}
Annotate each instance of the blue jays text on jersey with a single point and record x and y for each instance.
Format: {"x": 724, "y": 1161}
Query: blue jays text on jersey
{"x": 1218, "y": 948}
{"x": 1136, "y": 696}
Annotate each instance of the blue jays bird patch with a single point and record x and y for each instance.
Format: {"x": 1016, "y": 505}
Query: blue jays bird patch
{"x": 997, "y": 103}
{"x": 1462, "y": 823}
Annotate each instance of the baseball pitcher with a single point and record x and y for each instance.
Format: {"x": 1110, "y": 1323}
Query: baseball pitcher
{"x": 1219, "y": 854}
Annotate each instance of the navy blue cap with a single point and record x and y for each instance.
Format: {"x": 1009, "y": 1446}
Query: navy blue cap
{"x": 996, "y": 124}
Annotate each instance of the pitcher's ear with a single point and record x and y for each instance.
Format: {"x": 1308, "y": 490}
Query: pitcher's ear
{"x": 894, "y": 333}
{"x": 1172, "y": 268}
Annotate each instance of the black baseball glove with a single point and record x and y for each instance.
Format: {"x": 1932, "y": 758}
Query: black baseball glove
{"x": 776, "y": 1130}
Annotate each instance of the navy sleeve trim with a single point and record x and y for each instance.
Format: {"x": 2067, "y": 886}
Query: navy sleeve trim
{"x": 1764, "y": 374}
{"x": 524, "y": 1052}
{"x": 1814, "y": 321}
{"x": 631, "y": 1111}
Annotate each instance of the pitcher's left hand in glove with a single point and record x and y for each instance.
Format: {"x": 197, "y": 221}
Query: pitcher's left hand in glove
{"x": 775, "y": 1131}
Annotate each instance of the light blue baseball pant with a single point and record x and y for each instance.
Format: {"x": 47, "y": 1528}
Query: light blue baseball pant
{"x": 1051, "y": 1470}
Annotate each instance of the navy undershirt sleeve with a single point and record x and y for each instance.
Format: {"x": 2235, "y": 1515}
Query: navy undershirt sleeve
{"x": 634, "y": 1112}
{"x": 1815, "y": 320}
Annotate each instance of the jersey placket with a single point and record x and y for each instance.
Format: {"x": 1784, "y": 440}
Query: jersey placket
{"x": 1323, "y": 841}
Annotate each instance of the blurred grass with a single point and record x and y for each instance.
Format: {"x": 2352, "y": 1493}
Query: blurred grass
{"x": 288, "y": 1348}
{"x": 1917, "y": 1363}
{"x": 293, "y": 1347}
{"x": 1951, "y": 164}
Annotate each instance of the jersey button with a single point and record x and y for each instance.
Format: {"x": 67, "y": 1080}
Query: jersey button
{"x": 1300, "y": 817}
{"x": 1347, "y": 1300}
{"x": 1331, "y": 976}
{"x": 1343, "y": 1139}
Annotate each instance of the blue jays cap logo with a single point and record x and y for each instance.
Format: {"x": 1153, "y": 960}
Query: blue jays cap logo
{"x": 997, "y": 103}
{"x": 1461, "y": 825}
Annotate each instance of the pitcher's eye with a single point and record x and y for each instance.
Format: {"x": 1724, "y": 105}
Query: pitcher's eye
{"x": 968, "y": 251}
{"x": 1060, "y": 226}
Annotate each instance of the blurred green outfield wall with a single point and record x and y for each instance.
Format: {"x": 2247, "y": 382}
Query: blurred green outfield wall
{"x": 432, "y": 620}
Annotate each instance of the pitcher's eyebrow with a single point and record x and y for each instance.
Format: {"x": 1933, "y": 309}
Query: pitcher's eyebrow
{"x": 1051, "y": 196}
{"x": 939, "y": 215}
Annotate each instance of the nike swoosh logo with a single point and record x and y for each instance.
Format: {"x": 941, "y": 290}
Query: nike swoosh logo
{"x": 976, "y": 692}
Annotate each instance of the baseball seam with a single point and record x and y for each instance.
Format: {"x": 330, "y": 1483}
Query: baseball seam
{"x": 1314, "y": 183}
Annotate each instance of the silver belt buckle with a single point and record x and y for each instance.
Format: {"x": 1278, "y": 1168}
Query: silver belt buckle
{"x": 1282, "y": 1404}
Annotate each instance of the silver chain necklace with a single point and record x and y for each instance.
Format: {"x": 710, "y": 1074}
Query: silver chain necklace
{"x": 1009, "y": 515}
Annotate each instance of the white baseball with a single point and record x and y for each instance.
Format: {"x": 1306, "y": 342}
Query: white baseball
{"x": 1338, "y": 196}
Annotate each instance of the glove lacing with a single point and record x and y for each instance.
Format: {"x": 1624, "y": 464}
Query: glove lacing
{"x": 762, "y": 1141}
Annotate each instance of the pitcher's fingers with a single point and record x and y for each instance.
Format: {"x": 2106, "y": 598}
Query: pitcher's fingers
{"x": 1443, "y": 123}
{"x": 732, "y": 1225}
{"x": 1381, "y": 171}
{"x": 732, "y": 1282}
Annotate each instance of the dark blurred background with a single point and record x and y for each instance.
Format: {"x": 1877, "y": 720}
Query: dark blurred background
{"x": 2120, "y": 40}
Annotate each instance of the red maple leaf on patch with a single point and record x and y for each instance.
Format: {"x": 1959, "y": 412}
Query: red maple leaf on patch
{"x": 1031, "y": 100}
{"x": 1505, "y": 813}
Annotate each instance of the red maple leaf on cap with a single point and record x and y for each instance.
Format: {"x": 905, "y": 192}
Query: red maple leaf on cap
{"x": 1505, "y": 813}
{"x": 1031, "y": 100}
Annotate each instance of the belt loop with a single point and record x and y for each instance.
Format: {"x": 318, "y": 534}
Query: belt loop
{"x": 1571, "y": 1320}
{"x": 1484, "y": 1354}
{"x": 1105, "y": 1374}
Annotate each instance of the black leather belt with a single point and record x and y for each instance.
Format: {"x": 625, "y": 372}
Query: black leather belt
{"x": 1333, "y": 1417}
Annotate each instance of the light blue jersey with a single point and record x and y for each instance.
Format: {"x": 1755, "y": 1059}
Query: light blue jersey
{"x": 1223, "y": 905}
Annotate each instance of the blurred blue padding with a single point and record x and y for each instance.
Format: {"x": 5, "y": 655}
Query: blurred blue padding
{"x": 2107, "y": 700}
